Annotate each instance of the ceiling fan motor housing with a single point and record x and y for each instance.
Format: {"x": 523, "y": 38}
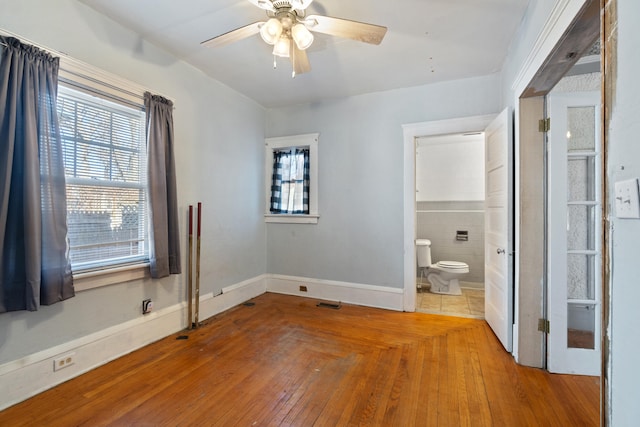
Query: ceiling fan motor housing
{"x": 295, "y": 4}
{"x": 287, "y": 19}
{"x": 281, "y": 4}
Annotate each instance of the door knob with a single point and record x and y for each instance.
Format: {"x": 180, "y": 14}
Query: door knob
{"x": 500, "y": 251}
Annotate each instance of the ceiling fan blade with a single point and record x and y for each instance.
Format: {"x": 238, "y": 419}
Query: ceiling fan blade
{"x": 354, "y": 30}
{"x": 233, "y": 35}
{"x": 264, "y": 4}
{"x": 299, "y": 60}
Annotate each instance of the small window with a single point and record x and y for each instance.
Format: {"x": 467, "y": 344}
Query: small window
{"x": 105, "y": 166}
{"x": 291, "y": 179}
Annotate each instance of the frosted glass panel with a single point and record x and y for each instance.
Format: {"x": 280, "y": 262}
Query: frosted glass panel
{"x": 581, "y": 325}
{"x": 580, "y": 276}
{"x": 581, "y": 228}
{"x": 580, "y": 181}
{"x": 581, "y": 135}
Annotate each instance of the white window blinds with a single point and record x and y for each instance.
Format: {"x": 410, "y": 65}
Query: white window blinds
{"x": 105, "y": 169}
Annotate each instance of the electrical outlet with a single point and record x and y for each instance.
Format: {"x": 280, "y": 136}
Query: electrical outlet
{"x": 303, "y": 288}
{"x": 147, "y": 306}
{"x": 64, "y": 361}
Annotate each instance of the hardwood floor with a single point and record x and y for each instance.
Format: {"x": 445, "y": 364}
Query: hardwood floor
{"x": 284, "y": 361}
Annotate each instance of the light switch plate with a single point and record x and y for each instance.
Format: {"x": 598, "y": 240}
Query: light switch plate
{"x": 627, "y": 199}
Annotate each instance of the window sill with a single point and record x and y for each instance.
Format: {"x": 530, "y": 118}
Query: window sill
{"x": 291, "y": 219}
{"x": 110, "y": 276}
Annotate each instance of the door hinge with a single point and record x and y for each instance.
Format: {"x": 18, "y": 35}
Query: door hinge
{"x": 543, "y": 325}
{"x": 544, "y": 125}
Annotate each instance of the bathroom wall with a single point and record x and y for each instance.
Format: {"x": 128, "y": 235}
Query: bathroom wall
{"x": 450, "y": 197}
{"x": 439, "y": 221}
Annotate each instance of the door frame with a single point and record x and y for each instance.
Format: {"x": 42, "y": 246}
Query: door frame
{"x": 546, "y": 64}
{"x": 412, "y": 131}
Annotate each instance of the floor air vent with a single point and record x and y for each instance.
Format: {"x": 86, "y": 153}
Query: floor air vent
{"x": 335, "y": 306}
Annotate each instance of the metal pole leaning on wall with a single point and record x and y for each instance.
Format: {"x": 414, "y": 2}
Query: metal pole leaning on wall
{"x": 197, "y": 314}
{"x": 189, "y": 271}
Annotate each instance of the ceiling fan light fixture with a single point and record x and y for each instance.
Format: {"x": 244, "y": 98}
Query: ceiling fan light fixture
{"x": 302, "y": 36}
{"x": 282, "y": 48}
{"x": 287, "y": 23}
{"x": 271, "y": 31}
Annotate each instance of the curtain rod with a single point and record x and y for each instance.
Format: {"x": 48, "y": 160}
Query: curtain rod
{"x": 76, "y": 63}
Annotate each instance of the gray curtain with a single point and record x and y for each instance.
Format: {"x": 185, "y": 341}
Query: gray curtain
{"x": 35, "y": 268}
{"x": 165, "y": 240}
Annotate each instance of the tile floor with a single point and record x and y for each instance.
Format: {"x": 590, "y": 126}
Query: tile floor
{"x": 469, "y": 304}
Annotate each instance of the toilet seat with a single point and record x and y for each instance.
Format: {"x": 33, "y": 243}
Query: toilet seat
{"x": 452, "y": 264}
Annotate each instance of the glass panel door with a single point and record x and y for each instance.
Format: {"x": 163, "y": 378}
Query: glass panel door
{"x": 573, "y": 240}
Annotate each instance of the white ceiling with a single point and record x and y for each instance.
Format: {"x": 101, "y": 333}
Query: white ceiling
{"x": 427, "y": 41}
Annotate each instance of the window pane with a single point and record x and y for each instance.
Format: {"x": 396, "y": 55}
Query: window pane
{"x": 105, "y": 166}
{"x": 580, "y": 180}
{"x": 126, "y": 166}
{"x": 290, "y": 189}
{"x": 580, "y": 276}
{"x": 581, "y": 325}
{"x": 105, "y": 223}
{"x": 581, "y": 227}
{"x": 581, "y": 125}
{"x": 126, "y": 131}
{"x": 90, "y": 161}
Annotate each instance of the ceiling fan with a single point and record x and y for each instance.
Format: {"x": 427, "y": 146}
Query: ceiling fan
{"x": 289, "y": 29}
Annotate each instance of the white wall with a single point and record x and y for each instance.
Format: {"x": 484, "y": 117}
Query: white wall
{"x": 624, "y": 163}
{"x": 217, "y": 131}
{"x": 450, "y": 168}
{"x": 359, "y": 236}
{"x": 524, "y": 41}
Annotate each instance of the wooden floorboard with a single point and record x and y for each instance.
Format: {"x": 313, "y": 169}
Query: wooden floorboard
{"x": 286, "y": 362}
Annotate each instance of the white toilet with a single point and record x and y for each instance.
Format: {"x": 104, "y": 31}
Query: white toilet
{"x": 443, "y": 275}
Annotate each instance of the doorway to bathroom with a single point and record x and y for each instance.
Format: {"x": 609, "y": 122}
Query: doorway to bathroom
{"x": 450, "y": 198}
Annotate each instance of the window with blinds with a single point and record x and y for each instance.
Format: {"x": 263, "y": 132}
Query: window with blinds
{"x": 105, "y": 168}
{"x": 291, "y": 179}
{"x": 290, "y": 182}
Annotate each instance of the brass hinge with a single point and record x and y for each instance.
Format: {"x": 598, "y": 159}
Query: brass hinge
{"x": 544, "y": 125}
{"x": 543, "y": 325}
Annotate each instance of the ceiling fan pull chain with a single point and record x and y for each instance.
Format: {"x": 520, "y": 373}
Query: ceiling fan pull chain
{"x": 275, "y": 64}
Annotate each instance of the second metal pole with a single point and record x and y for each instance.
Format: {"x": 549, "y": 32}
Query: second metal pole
{"x": 190, "y": 271}
{"x": 197, "y": 314}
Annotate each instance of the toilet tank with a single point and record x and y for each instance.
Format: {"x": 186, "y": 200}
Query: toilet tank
{"x": 423, "y": 252}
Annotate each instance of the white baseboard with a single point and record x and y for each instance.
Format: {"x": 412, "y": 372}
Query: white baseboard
{"x": 352, "y": 293}
{"x": 33, "y": 374}
{"x": 232, "y": 296}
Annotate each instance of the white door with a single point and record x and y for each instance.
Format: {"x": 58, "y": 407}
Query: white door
{"x": 574, "y": 230}
{"x": 498, "y": 282}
